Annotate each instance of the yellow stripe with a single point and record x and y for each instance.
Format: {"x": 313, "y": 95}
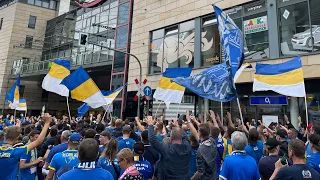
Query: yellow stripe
{"x": 113, "y": 95}
{"x": 85, "y": 90}
{"x": 16, "y": 93}
{"x": 51, "y": 168}
{"x": 58, "y": 71}
{"x": 166, "y": 84}
{"x": 288, "y": 78}
{"x": 22, "y": 105}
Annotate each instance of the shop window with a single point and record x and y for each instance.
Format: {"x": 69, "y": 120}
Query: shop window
{"x": 255, "y": 30}
{"x": 294, "y": 29}
{"x": 186, "y": 44}
{"x": 155, "y": 65}
{"x": 210, "y": 42}
{"x": 315, "y": 22}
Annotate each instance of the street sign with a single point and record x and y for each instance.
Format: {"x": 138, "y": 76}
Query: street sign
{"x": 147, "y": 90}
{"x": 268, "y": 100}
{"x": 142, "y": 88}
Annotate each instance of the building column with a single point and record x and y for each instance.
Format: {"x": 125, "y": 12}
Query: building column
{"x": 206, "y": 109}
{"x": 294, "y": 111}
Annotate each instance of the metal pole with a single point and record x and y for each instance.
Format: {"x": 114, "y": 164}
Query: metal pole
{"x": 68, "y": 108}
{"x": 306, "y": 104}
{"x": 140, "y": 76}
{"x": 221, "y": 104}
{"x": 240, "y": 110}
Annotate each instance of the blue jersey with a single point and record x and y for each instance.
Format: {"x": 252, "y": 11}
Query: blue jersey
{"x": 126, "y": 143}
{"x": 314, "y": 161}
{"x": 55, "y": 150}
{"x": 8, "y": 123}
{"x": 28, "y": 173}
{"x": 255, "y": 151}
{"x": 9, "y": 160}
{"x": 239, "y": 166}
{"x": 59, "y": 160}
{"x": 220, "y": 147}
{"x": 308, "y": 150}
{"x": 106, "y": 164}
{"x": 85, "y": 171}
{"x": 193, "y": 162}
{"x": 144, "y": 167}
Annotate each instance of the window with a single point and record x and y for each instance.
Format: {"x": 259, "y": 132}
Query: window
{"x": 52, "y": 4}
{"x": 30, "y": 1}
{"x": 1, "y": 22}
{"x": 122, "y": 36}
{"x": 294, "y": 29}
{"x": 32, "y": 21}
{"x": 119, "y": 62}
{"x": 38, "y": 2}
{"x": 124, "y": 13}
{"x": 28, "y": 42}
{"x": 315, "y": 22}
{"x": 21, "y": 90}
{"x": 210, "y": 42}
{"x": 45, "y": 3}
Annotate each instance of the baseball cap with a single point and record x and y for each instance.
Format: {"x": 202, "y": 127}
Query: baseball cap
{"x": 282, "y": 133}
{"x": 75, "y": 138}
{"x": 272, "y": 143}
{"x": 138, "y": 148}
{"x": 315, "y": 140}
{"x": 106, "y": 133}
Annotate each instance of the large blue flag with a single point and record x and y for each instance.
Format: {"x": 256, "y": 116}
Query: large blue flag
{"x": 215, "y": 83}
{"x": 12, "y": 95}
{"x": 82, "y": 110}
{"x": 231, "y": 40}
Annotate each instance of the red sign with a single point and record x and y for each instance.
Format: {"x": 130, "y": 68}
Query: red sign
{"x": 140, "y": 92}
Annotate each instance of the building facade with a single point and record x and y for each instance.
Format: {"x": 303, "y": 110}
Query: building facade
{"x": 181, "y": 33}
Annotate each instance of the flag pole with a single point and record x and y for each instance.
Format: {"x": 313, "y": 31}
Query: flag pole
{"x": 14, "y": 115}
{"x": 158, "y": 108}
{"x": 306, "y": 104}
{"x": 221, "y": 104}
{"x": 68, "y": 107}
{"x": 106, "y": 110}
{"x": 25, "y": 114}
{"x": 240, "y": 110}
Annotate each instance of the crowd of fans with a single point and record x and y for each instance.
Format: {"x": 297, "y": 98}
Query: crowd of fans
{"x": 188, "y": 148}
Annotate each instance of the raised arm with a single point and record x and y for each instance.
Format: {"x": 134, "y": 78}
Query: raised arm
{"x": 152, "y": 137}
{"x": 193, "y": 131}
{"x": 230, "y": 120}
{"x": 141, "y": 128}
{"x": 213, "y": 117}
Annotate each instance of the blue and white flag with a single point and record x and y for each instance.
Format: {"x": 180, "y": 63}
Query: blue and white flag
{"x": 215, "y": 83}
{"x": 231, "y": 40}
{"x": 82, "y": 110}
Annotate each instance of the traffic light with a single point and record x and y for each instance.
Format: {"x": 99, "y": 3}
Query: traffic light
{"x": 83, "y": 39}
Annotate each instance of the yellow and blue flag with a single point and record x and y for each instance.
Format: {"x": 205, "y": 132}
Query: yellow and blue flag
{"x": 284, "y": 78}
{"x": 58, "y": 71}
{"x": 83, "y": 88}
{"x": 168, "y": 91}
{"x": 22, "y": 105}
{"x": 13, "y": 95}
{"x": 109, "y": 97}
{"x": 215, "y": 83}
{"x": 82, "y": 110}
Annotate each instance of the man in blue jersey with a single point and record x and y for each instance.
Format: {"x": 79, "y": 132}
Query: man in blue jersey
{"x": 10, "y": 157}
{"x": 142, "y": 165}
{"x": 28, "y": 162}
{"x": 104, "y": 139}
{"x": 64, "y": 161}
{"x": 126, "y": 141}
{"x": 87, "y": 168}
{"x": 314, "y": 160}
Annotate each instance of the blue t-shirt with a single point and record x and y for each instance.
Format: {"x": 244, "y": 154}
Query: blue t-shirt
{"x": 28, "y": 173}
{"x": 159, "y": 137}
{"x": 8, "y": 123}
{"x": 308, "y": 150}
{"x": 106, "y": 164}
{"x": 126, "y": 143}
{"x": 144, "y": 167}
{"x": 255, "y": 151}
{"x": 55, "y": 150}
{"x": 220, "y": 147}
{"x": 193, "y": 162}
{"x": 314, "y": 161}
{"x": 239, "y": 166}
{"x": 61, "y": 159}
{"x": 85, "y": 171}
{"x": 9, "y": 161}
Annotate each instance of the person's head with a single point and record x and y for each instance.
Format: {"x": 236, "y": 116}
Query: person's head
{"x": 125, "y": 158}
{"x": 88, "y": 150}
{"x": 230, "y": 131}
{"x": 144, "y": 137}
{"x": 27, "y": 129}
{"x": 292, "y": 133}
{"x": 12, "y": 134}
{"x": 74, "y": 140}
{"x": 166, "y": 140}
{"x": 176, "y": 135}
{"x": 272, "y": 146}
{"x": 239, "y": 141}
{"x": 118, "y": 123}
{"x": 138, "y": 148}
{"x": 90, "y": 133}
{"x": 296, "y": 150}
{"x": 315, "y": 129}
{"x": 65, "y": 136}
{"x": 253, "y": 136}
{"x": 113, "y": 122}
{"x": 204, "y": 131}
{"x": 215, "y": 131}
{"x": 314, "y": 142}
{"x": 100, "y": 127}
{"x": 281, "y": 135}
{"x": 126, "y": 131}
{"x": 111, "y": 150}
{"x": 193, "y": 141}
{"x": 53, "y": 132}
{"x": 265, "y": 132}
{"x": 33, "y": 135}
{"x": 105, "y": 137}
{"x": 73, "y": 126}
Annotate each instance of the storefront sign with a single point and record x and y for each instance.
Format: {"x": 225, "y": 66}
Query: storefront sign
{"x": 256, "y": 25}
{"x": 268, "y": 100}
{"x": 215, "y": 59}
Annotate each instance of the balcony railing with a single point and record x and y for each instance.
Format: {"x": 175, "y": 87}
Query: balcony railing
{"x": 98, "y": 58}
